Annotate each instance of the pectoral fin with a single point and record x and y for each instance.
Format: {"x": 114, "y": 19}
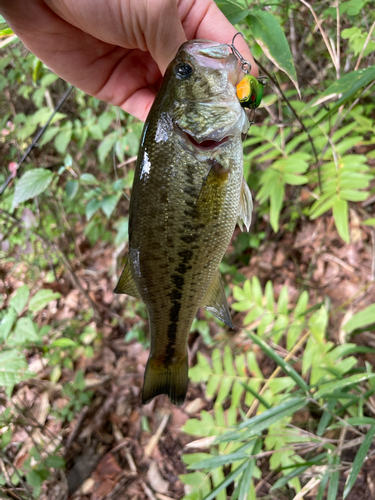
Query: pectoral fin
{"x": 126, "y": 282}
{"x": 215, "y": 301}
{"x": 213, "y": 191}
{"x": 246, "y": 206}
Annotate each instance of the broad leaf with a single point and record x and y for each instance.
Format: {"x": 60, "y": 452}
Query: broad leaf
{"x": 234, "y": 12}
{"x": 270, "y": 36}
{"x": 31, "y": 184}
{"x": 20, "y": 299}
{"x": 24, "y": 332}
{"x": 6, "y": 323}
{"x": 13, "y": 369}
{"x": 92, "y": 207}
{"x": 41, "y": 299}
{"x": 361, "y": 319}
{"x": 109, "y": 204}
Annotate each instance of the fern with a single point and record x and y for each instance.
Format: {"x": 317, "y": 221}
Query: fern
{"x": 227, "y": 375}
{"x": 235, "y": 380}
{"x": 341, "y": 183}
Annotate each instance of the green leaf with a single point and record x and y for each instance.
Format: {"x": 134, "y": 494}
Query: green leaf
{"x": 71, "y": 188}
{"x": 89, "y": 179}
{"x": 63, "y": 138}
{"x": 13, "y": 369}
{"x": 96, "y": 132}
{"x": 329, "y": 387}
{"x": 24, "y": 332}
{"x": 31, "y": 184}
{"x": 358, "y": 461}
{"x": 361, "y": 319}
{"x": 55, "y": 461}
{"x": 92, "y": 207}
{"x": 234, "y": 12}
{"x": 63, "y": 342}
{"x": 257, "y": 424}
{"x": 109, "y": 204}
{"x": 106, "y": 145}
{"x": 20, "y": 299}
{"x": 340, "y": 214}
{"x": 334, "y": 479}
{"x": 228, "y": 480}
{"x": 277, "y": 196}
{"x": 217, "y": 461}
{"x": 270, "y": 36}
{"x": 6, "y": 323}
{"x": 369, "y": 222}
{"x": 41, "y": 299}
{"x": 346, "y": 85}
{"x": 288, "y": 370}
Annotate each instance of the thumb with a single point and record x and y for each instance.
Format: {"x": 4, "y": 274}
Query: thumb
{"x": 163, "y": 32}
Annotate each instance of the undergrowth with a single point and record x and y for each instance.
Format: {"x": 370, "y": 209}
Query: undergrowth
{"x": 304, "y": 159}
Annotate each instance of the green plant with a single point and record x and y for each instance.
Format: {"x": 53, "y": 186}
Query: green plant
{"x": 328, "y": 382}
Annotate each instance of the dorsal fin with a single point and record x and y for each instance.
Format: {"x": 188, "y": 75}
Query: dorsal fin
{"x": 215, "y": 301}
{"x": 126, "y": 282}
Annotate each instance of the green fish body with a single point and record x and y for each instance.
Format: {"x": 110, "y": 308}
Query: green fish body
{"x": 187, "y": 195}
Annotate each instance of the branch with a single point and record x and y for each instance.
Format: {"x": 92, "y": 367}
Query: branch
{"x": 37, "y": 137}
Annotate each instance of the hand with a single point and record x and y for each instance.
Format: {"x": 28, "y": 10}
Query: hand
{"x": 116, "y": 50}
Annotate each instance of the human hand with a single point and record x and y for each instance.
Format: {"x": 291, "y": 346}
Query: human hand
{"x": 116, "y": 50}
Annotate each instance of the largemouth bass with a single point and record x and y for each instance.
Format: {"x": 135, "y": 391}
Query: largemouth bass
{"x": 187, "y": 195}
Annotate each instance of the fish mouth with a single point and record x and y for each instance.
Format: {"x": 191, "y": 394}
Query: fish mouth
{"x": 207, "y": 143}
{"x": 204, "y": 144}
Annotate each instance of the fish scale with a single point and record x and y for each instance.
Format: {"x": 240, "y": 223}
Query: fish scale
{"x": 186, "y": 199}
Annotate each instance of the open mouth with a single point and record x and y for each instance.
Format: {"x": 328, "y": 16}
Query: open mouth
{"x": 207, "y": 144}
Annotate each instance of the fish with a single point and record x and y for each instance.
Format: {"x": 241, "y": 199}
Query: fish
{"x": 188, "y": 193}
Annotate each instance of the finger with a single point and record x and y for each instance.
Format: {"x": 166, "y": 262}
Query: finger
{"x": 163, "y": 32}
{"x": 105, "y": 71}
{"x": 139, "y": 103}
{"x": 204, "y": 19}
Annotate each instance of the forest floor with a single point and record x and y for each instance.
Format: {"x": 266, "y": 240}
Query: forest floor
{"x": 115, "y": 447}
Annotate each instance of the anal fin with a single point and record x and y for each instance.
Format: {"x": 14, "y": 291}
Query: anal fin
{"x": 126, "y": 282}
{"x": 215, "y": 301}
{"x": 246, "y": 206}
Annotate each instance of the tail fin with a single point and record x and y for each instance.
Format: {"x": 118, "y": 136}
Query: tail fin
{"x": 166, "y": 379}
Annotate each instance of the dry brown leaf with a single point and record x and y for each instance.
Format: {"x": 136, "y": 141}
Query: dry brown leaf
{"x": 155, "y": 479}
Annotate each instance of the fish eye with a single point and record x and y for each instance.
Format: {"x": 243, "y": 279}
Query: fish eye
{"x": 183, "y": 71}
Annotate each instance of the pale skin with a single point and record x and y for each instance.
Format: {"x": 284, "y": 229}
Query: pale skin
{"x": 116, "y": 50}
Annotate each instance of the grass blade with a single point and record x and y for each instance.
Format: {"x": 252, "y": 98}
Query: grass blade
{"x": 228, "y": 480}
{"x": 279, "y": 360}
{"x": 260, "y": 422}
{"x": 359, "y": 459}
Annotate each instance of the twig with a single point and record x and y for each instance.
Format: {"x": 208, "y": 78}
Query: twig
{"x": 326, "y": 41}
{"x": 155, "y": 438}
{"x": 76, "y": 428}
{"x": 297, "y": 118}
{"x": 37, "y": 137}
{"x": 8, "y": 462}
{"x": 364, "y": 46}
{"x": 277, "y": 371}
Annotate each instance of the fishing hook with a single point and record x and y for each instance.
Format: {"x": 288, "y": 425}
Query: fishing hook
{"x": 245, "y": 65}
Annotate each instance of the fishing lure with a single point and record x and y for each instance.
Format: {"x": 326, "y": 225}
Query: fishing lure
{"x": 250, "y": 88}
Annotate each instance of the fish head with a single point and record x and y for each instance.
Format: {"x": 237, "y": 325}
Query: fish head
{"x": 204, "y": 106}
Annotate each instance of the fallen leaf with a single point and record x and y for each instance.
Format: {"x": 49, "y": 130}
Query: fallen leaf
{"x": 155, "y": 479}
